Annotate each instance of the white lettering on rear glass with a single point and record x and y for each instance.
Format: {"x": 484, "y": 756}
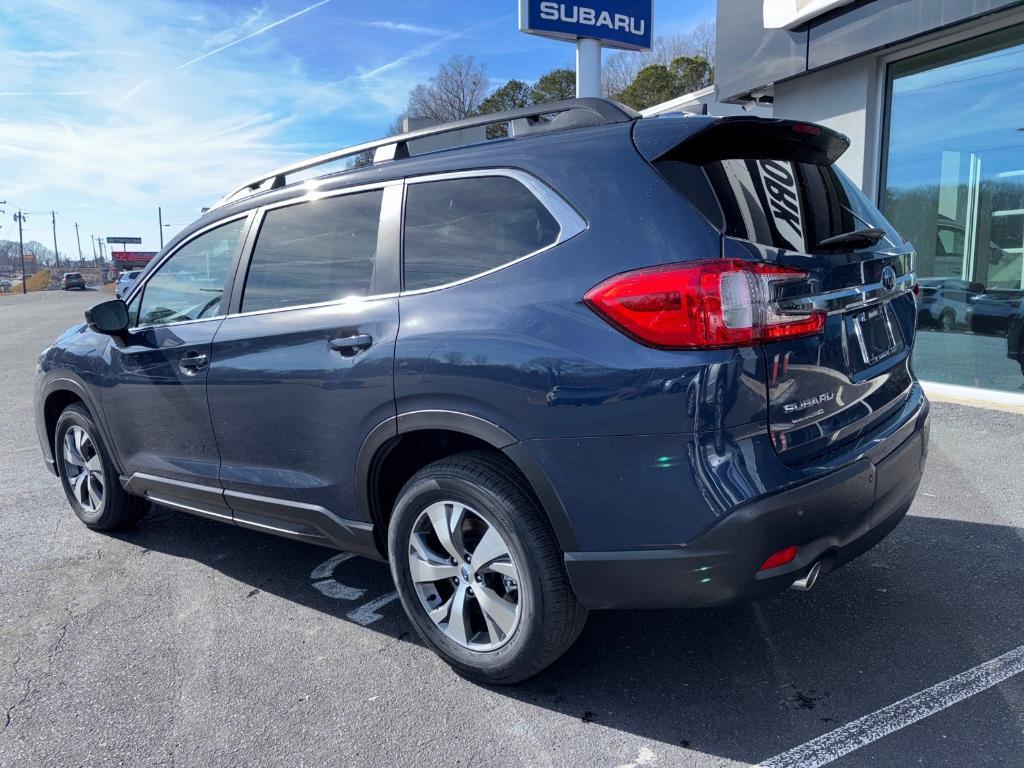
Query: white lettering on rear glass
{"x": 780, "y": 186}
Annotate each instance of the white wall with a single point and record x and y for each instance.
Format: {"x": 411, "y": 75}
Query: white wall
{"x": 842, "y": 97}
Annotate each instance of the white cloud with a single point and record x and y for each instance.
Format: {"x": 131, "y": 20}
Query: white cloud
{"x": 104, "y": 135}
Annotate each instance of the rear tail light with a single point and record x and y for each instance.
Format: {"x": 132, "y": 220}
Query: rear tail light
{"x": 702, "y": 305}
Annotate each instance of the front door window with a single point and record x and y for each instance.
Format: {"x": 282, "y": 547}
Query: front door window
{"x": 190, "y": 284}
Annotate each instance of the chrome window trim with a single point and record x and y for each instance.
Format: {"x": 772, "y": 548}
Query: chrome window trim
{"x": 312, "y": 195}
{"x": 139, "y": 283}
{"x": 570, "y": 224}
{"x": 353, "y": 301}
{"x": 142, "y": 328}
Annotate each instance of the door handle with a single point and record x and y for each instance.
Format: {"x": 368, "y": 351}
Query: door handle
{"x": 192, "y": 363}
{"x": 349, "y": 346}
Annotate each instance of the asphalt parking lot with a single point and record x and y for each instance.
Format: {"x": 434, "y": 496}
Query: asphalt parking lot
{"x": 187, "y": 642}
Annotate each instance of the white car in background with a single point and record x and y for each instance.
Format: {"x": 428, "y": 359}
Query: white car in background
{"x": 124, "y": 282}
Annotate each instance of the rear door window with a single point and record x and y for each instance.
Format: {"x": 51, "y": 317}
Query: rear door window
{"x": 777, "y": 203}
{"x": 314, "y": 252}
{"x": 457, "y": 228}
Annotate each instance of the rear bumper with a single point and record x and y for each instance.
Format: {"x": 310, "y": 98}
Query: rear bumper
{"x": 832, "y": 519}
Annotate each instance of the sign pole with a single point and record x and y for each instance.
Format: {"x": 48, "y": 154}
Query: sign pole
{"x": 619, "y": 24}
{"x": 588, "y": 67}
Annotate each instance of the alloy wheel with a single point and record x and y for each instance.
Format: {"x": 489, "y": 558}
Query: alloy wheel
{"x": 84, "y": 469}
{"x": 465, "y": 576}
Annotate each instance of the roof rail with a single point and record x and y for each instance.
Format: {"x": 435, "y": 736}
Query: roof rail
{"x": 585, "y": 111}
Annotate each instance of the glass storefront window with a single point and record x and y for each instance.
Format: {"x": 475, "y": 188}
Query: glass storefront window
{"x": 953, "y": 184}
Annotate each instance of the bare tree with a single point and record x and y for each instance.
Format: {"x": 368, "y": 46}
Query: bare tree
{"x": 621, "y": 69}
{"x": 396, "y": 126}
{"x": 455, "y": 91}
{"x": 702, "y": 41}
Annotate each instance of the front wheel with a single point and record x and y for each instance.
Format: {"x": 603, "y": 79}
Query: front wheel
{"x": 479, "y": 572}
{"x": 88, "y": 475}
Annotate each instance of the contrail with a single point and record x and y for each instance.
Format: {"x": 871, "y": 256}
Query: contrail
{"x": 251, "y": 35}
{"x": 425, "y": 50}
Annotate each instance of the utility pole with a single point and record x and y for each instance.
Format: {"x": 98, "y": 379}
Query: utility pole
{"x": 160, "y": 218}
{"x": 56, "y": 254}
{"x": 79, "y": 241}
{"x": 20, "y": 217}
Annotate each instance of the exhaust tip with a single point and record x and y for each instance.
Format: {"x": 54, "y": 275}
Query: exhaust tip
{"x": 808, "y": 581}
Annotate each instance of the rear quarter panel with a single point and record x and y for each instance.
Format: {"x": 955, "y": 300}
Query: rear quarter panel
{"x": 520, "y": 348}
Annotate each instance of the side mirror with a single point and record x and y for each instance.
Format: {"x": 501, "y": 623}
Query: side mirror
{"x": 109, "y": 317}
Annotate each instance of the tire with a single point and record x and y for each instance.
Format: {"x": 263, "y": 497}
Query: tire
{"x": 98, "y": 499}
{"x": 487, "y": 492}
{"x": 947, "y": 321}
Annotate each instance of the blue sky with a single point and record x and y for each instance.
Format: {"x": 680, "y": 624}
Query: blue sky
{"x": 109, "y": 109}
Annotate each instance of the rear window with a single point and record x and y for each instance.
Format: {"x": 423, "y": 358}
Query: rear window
{"x": 776, "y": 203}
{"x": 73, "y": 274}
{"x": 457, "y": 228}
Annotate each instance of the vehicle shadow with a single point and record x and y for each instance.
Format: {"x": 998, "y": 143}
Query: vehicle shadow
{"x": 937, "y": 597}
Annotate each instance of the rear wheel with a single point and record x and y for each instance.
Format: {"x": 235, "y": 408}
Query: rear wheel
{"x": 479, "y": 572}
{"x": 948, "y": 321}
{"x": 88, "y": 475}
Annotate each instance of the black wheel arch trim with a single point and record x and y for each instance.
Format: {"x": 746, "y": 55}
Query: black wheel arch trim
{"x": 381, "y": 439}
{"x": 63, "y": 382}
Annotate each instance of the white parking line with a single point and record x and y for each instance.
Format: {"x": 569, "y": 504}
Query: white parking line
{"x": 859, "y": 733}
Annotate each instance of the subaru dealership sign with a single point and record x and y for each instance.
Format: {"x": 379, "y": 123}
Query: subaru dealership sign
{"x": 615, "y": 23}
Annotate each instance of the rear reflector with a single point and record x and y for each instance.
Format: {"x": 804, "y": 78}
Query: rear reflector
{"x": 781, "y": 557}
{"x": 702, "y": 305}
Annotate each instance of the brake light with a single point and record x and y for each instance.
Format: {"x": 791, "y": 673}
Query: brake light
{"x": 782, "y": 557}
{"x": 808, "y": 128}
{"x": 702, "y": 305}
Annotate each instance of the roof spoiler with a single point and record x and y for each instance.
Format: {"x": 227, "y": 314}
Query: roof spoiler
{"x": 700, "y": 140}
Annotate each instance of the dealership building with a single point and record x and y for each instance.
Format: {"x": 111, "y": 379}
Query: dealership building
{"x": 931, "y": 94}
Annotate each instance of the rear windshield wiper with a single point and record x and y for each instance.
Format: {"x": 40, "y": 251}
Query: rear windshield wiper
{"x": 861, "y": 238}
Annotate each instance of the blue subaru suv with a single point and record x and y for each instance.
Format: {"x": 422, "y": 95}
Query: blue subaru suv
{"x": 541, "y": 362}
